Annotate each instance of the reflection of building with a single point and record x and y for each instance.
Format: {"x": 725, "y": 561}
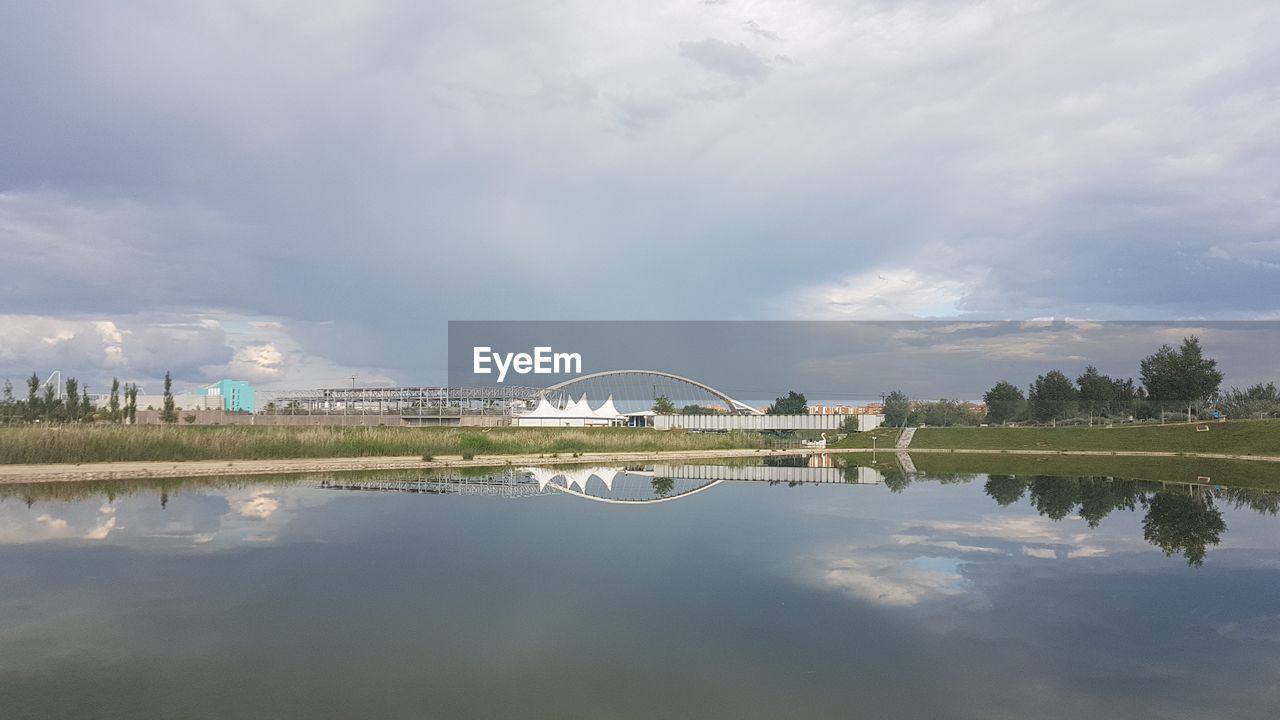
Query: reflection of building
{"x": 235, "y": 395}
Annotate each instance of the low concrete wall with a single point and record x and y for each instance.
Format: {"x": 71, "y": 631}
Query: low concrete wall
{"x": 763, "y": 422}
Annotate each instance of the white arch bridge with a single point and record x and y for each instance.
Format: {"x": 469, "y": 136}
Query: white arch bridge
{"x": 635, "y": 387}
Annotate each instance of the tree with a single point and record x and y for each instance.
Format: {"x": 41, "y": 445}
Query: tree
{"x": 1183, "y": 377}
{"x": 131, "y": 403}
{"x": 33, "y": 401}
{"x": 168, "y": 414}
{"x": 663, "y": 405}
{"x": 71, "y": 406}
{"x": 943, "y": 413}
{"x": 7, "y": 401}
{"x": 896, "y": 408}
{"x": 696, "y": 410}
{"x": 86, "y": 407}
{"x": 1005, "y": 402}
{"x": 1097, "y": 391}
{"x": 791, "y": 404}
{"x": 50, "y": 403}
{"x": 113, "y": 402}
{"x": 1124, "y": 397}
{"x": 1052, "y": 397}
{"x": 1256, "y": 401}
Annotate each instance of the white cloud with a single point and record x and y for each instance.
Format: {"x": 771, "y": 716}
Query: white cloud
{"x": 879, "y": 295}
{"x": 260, "y": 506}
{"x": 891, "y": 579}
{"x": 257, "y": 362}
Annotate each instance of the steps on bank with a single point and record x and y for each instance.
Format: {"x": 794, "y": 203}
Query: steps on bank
{"x": 904, "y": 440}
{"x": 908, "y": 466}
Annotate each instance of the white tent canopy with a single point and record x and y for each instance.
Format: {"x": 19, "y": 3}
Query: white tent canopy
{"x": 577, "y": 413}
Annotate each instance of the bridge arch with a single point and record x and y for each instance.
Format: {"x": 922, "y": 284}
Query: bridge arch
{"x": 732, "y": 404}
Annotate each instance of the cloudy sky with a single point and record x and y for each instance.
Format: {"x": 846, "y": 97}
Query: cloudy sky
{"x": 297, "y": 192}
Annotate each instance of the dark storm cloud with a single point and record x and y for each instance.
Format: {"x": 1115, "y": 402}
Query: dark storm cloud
{"x": 840, "y": 361}
{"x": 362, "y": 174}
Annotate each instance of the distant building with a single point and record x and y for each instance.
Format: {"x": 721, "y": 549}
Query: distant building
{"x": 236, "y": 395}
{"x": 820, "y": 409}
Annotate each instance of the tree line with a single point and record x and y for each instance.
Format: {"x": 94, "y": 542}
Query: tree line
{"x": 1178, "y": 380}
{"x": 43, "y": 403}
{"x": 1182, "y": 379}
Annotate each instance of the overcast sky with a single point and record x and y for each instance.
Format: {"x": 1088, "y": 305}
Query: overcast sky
{"x": 296, "y": 192}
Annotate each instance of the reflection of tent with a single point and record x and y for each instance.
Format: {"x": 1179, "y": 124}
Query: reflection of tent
{"x": 607, "y": 476}
{"x": 577, "y": 413}
{"x": 578, "y": 477}
{"x": 542, "y": 476}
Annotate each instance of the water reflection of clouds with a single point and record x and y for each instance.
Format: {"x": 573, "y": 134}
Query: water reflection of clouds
{"x": 920, "y": 560}
{"x": 254, "y": 514}
{"x": 889, "y": 577}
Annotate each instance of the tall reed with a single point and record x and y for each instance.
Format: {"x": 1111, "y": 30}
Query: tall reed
{"x": 80, "y": 444}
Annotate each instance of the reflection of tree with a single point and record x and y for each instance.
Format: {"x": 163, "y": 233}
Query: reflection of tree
{"x": 1099, "y": 497}
{"x": 1181, "y": 520}
{"x": 1185, "y": 522}
{"x": 1055, "y": 498}
{"x": 896, "y": 480}
{"x": 1006, "y": 489}
{"x": 662, "y": 486}
{"x": 786, "y": 461}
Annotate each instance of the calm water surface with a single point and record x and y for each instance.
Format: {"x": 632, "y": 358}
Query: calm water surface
{"x": 524, "y": 596}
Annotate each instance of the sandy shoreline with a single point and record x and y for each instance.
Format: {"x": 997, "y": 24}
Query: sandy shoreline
{"x": 71, "y": 472}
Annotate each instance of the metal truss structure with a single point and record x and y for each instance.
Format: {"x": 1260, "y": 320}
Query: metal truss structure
{"x": 405, "y": 402}
{"x": 428, "y": 404}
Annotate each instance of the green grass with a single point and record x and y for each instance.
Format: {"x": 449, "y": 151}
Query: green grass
{"x": 1246, "y": 437}
{"x": 1232, "y": 473}
{"x": 885, "y": 437}
{"x": 72, "y": 444}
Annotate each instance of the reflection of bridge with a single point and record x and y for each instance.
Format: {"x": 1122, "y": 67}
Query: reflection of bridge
{"x": 775, "y": 474}
{"x": 502, "y": 485}
{"x": 653, "y": 484}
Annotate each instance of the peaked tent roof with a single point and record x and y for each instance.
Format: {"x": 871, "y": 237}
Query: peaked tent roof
{"x": 608, "y": 411}
{"x": 544, "y": 409}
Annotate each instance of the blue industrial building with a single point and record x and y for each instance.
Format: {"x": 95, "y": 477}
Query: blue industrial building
{"x": 237, "y": 395}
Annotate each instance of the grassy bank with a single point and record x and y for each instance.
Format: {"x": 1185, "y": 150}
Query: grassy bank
{"x": 1233, "y": 473}
{"x": 884, "y": 438}
{"x": 72, "y": 444}
{"x": 1244, "y": 437}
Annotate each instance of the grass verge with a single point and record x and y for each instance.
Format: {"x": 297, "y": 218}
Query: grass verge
{"x": 72, "y": 444}
{"x": 1244, "y": 437}
{"x": 1232, "y": 473}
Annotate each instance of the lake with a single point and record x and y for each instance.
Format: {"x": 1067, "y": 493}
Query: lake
{"x": 799, "y": 589}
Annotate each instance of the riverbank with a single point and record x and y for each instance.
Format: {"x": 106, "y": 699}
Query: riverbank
{"x": 73, "y": 472}
{"x": 1032, "y": 460}
{"x": 1237, "y": 437}
{"x": 1261, "y": 475}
